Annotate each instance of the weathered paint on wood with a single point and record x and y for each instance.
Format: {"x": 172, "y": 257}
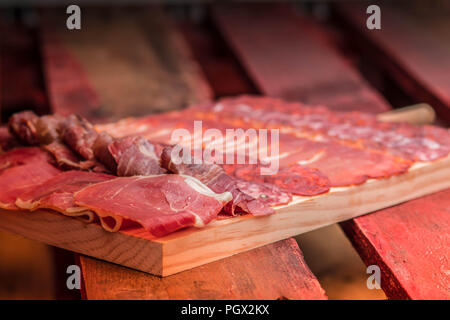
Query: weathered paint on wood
{"x": 133, "y": 57}
{"x": 412, "y": 46}
{"x": 275, "y": 271}
{"x": 411, "y": 244}
{"x": 285, "y": 60}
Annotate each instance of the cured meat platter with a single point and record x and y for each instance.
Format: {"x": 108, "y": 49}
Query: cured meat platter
{"x": 414, "y": 166}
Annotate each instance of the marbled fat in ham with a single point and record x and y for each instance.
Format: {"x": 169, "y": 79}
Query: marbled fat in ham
{"x": 217, "y": 180}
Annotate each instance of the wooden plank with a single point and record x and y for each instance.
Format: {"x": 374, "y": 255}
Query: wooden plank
{"x": 250, "y": 275}
{"x": 103, "y": 280}
{"x": 410, "y": 243}
{"x": 131, "y": 56}
{"x": 20, "y": 76}
{"x": 286, "y": 61}
{"x": 219, "y": 65}
{"x": 428, "y": 234}
{"x": 412, "y": 46}
{"x": 192, "y": 247}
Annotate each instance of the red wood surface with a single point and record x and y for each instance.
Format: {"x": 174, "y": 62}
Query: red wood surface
{"x": 285, "y": 59}
{"x": 20, "y": 77}
{"x": 217, "y": 61}
{"x": 411, "y": 244}
{"x": 410, "y": 241}
{"x": 275, "y": 271}
{"x": 412, "y": 45}
{"x": 69, "y": 90}
{"x": 271, "y": 272}
{"x": 130, "y": 55}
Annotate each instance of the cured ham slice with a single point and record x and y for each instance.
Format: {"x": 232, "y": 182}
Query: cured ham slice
{"x": 34, "y": 130}
{"x": 47, "y": 131}
{"x": 23, "y": 126}
{"x": 217, "y": 180}
{"x": 268, "y": 194}
{"x": 48, "y": 128}
{"x": 23, "y": 178}
{"x": 57, "y": 193}
{"x": 22, "y": 156}
{"x": 136, "y": 156}
{"x": 68, "y": 160}
{"x": 425, "y": 143}
{"x": 102, "y": 153}
{"x": 79, "y": 135}
{"x": 161, "y": 204}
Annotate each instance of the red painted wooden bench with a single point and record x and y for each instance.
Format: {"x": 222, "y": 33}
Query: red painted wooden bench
{"x": 411, "y": 45}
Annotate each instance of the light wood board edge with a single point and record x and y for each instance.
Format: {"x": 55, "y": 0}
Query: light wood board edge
{"x": 89, "y": 239}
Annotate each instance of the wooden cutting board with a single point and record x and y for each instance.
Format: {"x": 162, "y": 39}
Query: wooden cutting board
{"x": 192, "y": 247}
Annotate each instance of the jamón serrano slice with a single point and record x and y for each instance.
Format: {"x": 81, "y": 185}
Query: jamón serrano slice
{"x": 50, "y": 130}
{"x": 22, "y": 156}
{"x": 136, "y": 156}
{"x": 57, "y": 193}
{"x": 23, "y": 126}
{"x": 79, "y": 135}
{"x": 217, "y": 180}
{"x": 161, "y": 204}
{"x": 23, "y": 178}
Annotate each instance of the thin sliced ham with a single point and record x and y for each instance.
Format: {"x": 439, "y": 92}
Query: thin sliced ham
{"x": 23, "y": 178}
{"x": 136, "y": 156}
{"x": 215, "y": 178}
{"x": 79, "y": 135}
{"x": 161, "y": 203}
{"x": 57, "y": 194}
{"x": 21, "y": 156}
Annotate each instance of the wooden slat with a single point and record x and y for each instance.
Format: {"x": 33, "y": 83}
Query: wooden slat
{"x": 19, "y": 71}
{"x": 413, "y": 239}
{"x": 286, "y": 61}
{"x": 132, "y": 57}
{"x": 257, "y": 273}
{"x": 412, "y": 46}
{"x": 276, "y": 271}
{"x": 410, "y": 243}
